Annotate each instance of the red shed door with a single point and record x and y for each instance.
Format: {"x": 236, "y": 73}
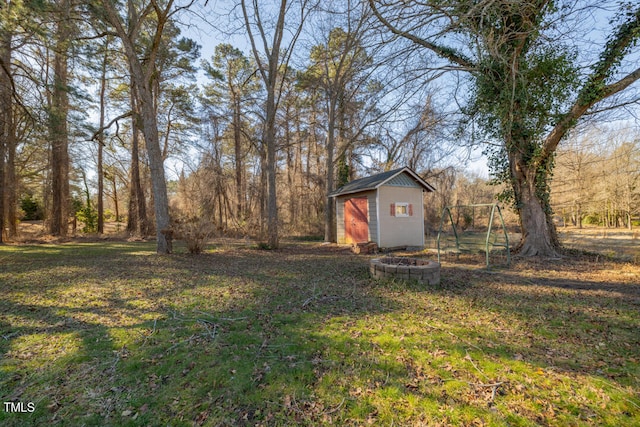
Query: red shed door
{"x": 356, "y": 225}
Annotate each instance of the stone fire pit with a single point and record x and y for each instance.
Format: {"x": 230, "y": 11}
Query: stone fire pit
{"x": 422, "y": 270}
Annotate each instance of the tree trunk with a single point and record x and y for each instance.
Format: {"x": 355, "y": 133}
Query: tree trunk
{"x": 103, "y": 88}
{"x": 144, "y": 76}
{"x": 2, "y": 172}
{"x": 220, "y": 196}
{"x": 272, "y": 75}
{"x": 271, "y": 166}
{"x": 290, "y": 177}
{"x": 116, "y": 206}
{"x": 579, "y": 217}
{"x": 538, "y": 232}
{"x": 100, "y": 207}
{"x": 58, "y": 132}
{"x": 539, "y": 237}
{"x": 156, "y": 166}
{"x": 5, "y": 118}
{"x": 137, "y": 223}
{"x": 237, "y": 140}
{"x": 298, "y": 176}
{"x": 311, "y": 144}
{"x": 11, "y": 180}
{"x": 263, "y": 191}
{"x": 329, "y": 212}
{"x": 8, "y": 191}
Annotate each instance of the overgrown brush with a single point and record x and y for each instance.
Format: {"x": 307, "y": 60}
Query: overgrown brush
{"x": 194, "y": 231}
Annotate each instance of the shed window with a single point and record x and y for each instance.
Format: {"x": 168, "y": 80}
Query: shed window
{"x": 402, "y": 209}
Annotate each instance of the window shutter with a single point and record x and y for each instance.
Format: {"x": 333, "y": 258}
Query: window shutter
{"x": 410, "y": 209}
{"x": 393, "y": 209}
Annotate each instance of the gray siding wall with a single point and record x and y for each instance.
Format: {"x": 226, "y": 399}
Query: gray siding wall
{"x": 400, "y": 231}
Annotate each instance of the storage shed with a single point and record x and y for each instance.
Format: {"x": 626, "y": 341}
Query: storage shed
{"x": 386, "y": 208}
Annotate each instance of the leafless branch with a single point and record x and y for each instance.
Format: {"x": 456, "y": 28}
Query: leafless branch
{"x": 115, "y": 120}
{"x": 441, "y": 51}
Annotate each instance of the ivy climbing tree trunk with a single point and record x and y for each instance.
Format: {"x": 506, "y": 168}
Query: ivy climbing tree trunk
{"x": 525, "y": 84}
{"x": 538, "y": 231}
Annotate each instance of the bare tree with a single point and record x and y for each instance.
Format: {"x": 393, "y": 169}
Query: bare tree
{"x": 154, "y": 16}
{"x": 597, "y": 178}
{"x": 336, "y": 63}
{"x": 574, "y": 180}
{"x": 272, "y": 53}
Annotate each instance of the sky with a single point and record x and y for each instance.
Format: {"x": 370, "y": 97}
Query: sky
{"x": 213, "y": 24}
{"x": 208, "y": 31}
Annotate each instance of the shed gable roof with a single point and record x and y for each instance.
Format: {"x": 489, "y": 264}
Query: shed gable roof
{"x": 375, "y": 181}
{"x": 403, "y": 180}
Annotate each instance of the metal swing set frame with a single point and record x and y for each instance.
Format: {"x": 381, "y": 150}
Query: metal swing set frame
{"x": 489, "y": 242}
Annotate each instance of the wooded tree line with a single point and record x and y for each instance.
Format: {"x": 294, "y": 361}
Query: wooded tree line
{"x": 99, "y": 99}
{"x": 598, "y": 184}
{"x": 56, "y": 56}
{"x": 121, "y": 100}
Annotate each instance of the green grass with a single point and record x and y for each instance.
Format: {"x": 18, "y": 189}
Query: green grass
{"x": 112, "y": 334}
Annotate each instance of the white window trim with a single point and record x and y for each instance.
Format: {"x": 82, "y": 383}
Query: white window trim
{"x": 402, "y": 215}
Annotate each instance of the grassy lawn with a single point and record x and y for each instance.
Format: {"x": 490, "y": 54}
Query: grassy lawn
{"x": 616, "y": 243}
{"x": 112, "y": 334}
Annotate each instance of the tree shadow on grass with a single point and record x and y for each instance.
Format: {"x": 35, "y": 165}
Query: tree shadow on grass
{"x": 497, "y": 347}
{"x": 580, "y": 326}
{"x": 223, "y": 338}
{"x": 300, "y": 336}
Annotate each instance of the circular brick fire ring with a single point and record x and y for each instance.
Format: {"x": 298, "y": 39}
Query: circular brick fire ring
{"x": 422, "y": 270}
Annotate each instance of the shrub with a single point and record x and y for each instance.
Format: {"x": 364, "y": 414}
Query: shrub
{"x": 591, "y": 219}
{"x": 31, "y": 208}
{"x": 86, "y": 214}
{"x": 109, "y": 215}
{"x": 264, "y": 246}
{"x": 194, "y": 231}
